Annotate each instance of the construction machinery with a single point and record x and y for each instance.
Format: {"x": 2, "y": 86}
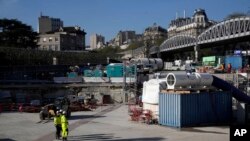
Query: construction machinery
{"x": 49, "y": 110}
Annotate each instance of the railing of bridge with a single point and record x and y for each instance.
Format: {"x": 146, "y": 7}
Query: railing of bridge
{"x": 228, "y": 29}
{"x": 178, "y": 41}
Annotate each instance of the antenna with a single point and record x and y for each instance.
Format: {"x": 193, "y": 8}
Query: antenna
{"x": 184, "y": 14}
{"x": 176, "y": 15}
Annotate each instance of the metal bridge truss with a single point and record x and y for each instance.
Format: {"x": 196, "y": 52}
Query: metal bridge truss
{"x": 228, "y": 29}
{"x": 154, "y": 50}
{"x": 178, "y": 41}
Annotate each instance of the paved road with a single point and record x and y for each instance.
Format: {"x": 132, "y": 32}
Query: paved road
{"x": 105, "y": 124}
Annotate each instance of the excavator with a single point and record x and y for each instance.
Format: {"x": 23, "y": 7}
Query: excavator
{"x": 49, "y": 110}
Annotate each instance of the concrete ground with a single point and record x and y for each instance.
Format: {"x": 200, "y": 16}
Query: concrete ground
{"x": 108, "y": 123}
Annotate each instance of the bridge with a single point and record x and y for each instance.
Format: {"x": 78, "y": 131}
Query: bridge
{"x": 230, "y": 31}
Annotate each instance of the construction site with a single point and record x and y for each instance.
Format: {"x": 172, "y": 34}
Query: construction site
{"x": 138, "y": 99}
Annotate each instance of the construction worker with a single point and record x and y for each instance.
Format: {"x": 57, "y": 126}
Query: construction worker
{"x": 57, "y": 123}
{"x": 64, "y": 123}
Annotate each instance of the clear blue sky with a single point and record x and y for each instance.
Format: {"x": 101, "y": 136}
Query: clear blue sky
{"x": 107, "y": 17}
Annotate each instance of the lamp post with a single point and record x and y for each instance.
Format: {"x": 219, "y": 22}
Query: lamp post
{"x": 107, "y": 60}
{"x": 125, "y": 95}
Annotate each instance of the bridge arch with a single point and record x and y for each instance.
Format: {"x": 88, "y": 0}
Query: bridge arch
{"x": 178, "y": 41}
{"x": 227, "y": 29}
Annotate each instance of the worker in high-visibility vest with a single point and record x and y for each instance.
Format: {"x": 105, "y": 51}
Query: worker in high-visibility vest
{"x": 64, "y": 123}
{"x": 57, "y": 123}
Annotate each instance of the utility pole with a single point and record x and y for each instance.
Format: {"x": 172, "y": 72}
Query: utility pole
{"x": 125, "y": 95}
{"x": 196, "y": 52}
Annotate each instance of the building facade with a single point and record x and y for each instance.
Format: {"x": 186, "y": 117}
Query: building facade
{"x": 193, "y": 26}
{"x": 155, "y": 32}
{"x": 97, "y": 41}
{"x": 125, "y": 37}
{"x": 47, "y": 24}
{"x": 63, "y": 39}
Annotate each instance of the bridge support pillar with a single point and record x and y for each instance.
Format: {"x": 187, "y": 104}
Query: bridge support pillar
{"x": 196, "y": 52}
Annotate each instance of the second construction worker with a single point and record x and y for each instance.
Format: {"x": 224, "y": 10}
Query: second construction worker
{"x": 57, "y": 123}
{"x": 64, "y": 123}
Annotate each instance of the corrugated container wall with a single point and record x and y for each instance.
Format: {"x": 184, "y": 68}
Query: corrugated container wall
{"x": 183, "y": 110}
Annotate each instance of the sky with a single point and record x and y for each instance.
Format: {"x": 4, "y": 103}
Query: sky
{"x": 108, "y": 17}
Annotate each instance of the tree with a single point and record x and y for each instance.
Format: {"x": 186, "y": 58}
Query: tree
{"x": 159, "y": 41}
{"x": 14, "y": 33}
{"x": 135, "y": 45}
{"x": 110, "y": 51}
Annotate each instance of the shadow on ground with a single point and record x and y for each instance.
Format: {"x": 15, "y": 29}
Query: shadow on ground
{"x": 109, "y": 137}
{"x": 77, "y": 117}
{"x": 200, "y": 131}
{"x": 7, "y": 140}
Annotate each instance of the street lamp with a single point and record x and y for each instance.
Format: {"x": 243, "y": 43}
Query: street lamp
{"x": 107, "y": 60}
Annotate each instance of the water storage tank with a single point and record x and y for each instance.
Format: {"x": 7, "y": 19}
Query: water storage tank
{"x": 151, "y": 61}
{"x": 205, "y": 79}
{"x": 151, "y": 89}
{"x": 179, "y": 80}
{"x": 182, "y": 80}
{"x": 159, "y": 63}
{"x": 143, "y": 61}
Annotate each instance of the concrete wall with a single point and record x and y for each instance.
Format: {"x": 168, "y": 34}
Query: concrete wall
{"x": 116, "y": 93}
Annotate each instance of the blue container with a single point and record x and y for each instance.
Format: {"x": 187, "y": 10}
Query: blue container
{"x": 72, "y": 75}
{"x": 115, "y": 70}
{"x": 236, "y": 62}
{"x": 88, "y": 73}
{"x": 183, "y": 110}
{"x": 97, "y": 73}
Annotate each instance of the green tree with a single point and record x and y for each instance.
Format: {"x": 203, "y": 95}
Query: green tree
{"x": 159, "y": 41}
{"x": 14, "y": 33}
{"x": 109, "y": 50}
{"x": 135, "y": 45}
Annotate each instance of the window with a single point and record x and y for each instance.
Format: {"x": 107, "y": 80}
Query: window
{"x": 50, "y": 47}
{"x": 56, "y": 39}
{"x": 44, "y": 39}
{"x": 56, "y": 48}
{"x": 202, "y": 19}
{"x": 44, "y": 48}
{"x": 50, "y": 39}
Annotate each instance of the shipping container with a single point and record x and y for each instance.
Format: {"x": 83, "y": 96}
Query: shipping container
{"x": 115, "y": 70}
{"x": 72, "y": 75}
{"x": 88, "y": 73}
{"x": 97, "y": 73}
{"x": 236, "y": 62}
{"x": 212, "y": 60}
{"x": 195, "y": 109}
